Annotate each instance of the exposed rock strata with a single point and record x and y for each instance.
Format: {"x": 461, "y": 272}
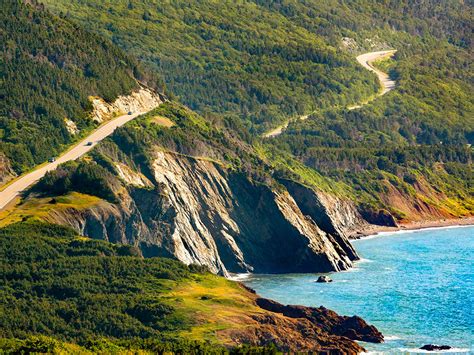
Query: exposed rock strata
{"x": 142, "y": 100}
{"x": 336, "y": 216}
{"x": 199, "y": 212}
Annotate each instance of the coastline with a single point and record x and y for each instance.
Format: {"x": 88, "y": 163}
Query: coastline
{"x": 372, "y": 229}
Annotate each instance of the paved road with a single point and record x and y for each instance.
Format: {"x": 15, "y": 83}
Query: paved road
{"x": 366, "y": 61}
{"x": 81, "y": 148}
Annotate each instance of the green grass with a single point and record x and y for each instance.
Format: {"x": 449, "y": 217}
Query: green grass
{"x": 61, "y": 290}
{"x": 39, "y": 209}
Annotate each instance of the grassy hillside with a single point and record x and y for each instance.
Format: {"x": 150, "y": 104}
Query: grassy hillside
{"x": 49, "y": 68}
{"x": 66, "y": 293}
{"x": 98, "y": 295}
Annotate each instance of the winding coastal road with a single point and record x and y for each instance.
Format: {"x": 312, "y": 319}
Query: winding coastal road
{"x": 19, "y": 185}
{"x": 14, "y": 189}
{"x": 366, "y": 61}
{"x": 386, "y": 83}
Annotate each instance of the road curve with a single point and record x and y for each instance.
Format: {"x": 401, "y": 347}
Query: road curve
{"x": 21, "y": 184}
{"x": 366, "y": 61}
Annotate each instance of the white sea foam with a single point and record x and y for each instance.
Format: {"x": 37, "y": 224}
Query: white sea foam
{"x": 352, "y": 269}
{"x": 239, "y": 277}
{"x": 362, "y": 260}
{"x": 391, "y": 338}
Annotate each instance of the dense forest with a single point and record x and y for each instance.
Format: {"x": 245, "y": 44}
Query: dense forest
{"x": 243, "y": 60}
{"x": 246, "y": 68}
{"x": 265, "y": 61}
{"x": 49, "y": 68}
{"x": 62, "y": 292}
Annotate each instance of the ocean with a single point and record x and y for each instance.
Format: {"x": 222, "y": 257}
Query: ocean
{"x": 417, "y": 287}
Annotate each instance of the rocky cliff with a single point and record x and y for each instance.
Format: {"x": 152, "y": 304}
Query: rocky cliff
{"x": 6, "y": 171}
{"x": 142, "y": 100}
{"x": 198, "y": 193}
{"x": 297, "y": 329}
{"x": 200, "y": 212}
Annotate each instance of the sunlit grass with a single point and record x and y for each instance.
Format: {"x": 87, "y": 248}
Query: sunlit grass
{"x": 40, "y": 209}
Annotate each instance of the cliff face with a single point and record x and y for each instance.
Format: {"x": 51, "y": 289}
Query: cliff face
{"x": 142, "y": 100}
{"x": 6, "y": 171}
{"x": 200, "y": 212}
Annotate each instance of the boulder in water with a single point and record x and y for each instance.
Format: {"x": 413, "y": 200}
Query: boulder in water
{"x": 432, "y": 347}
{"x": 324, "y": 278}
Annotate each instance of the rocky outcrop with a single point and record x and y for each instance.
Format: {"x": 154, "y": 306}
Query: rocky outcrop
{"x": 142, "y": 100}
{"x": 6, "y": 171}
{"x": 336, "y": 216}
{"x": 380, "y": 218}
{"x": 199, "y": 212}
{"x": 71, "y": 126}
{"x": 324, "y": 279}
{"x": 431, "y": 347}
{"x": 299, "y": 329}
{"x": 354, "y": 327}
{"x": 290, "y": 336}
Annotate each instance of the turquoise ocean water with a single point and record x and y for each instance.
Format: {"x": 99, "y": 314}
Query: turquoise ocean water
{"x": 417, "y": 287}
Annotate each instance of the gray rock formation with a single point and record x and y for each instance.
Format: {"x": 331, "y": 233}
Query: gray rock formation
{"x": 323, "y": 279}
{"x": 199, "y": 212}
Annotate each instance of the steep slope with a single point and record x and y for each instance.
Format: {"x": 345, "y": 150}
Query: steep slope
{"x": 242, "y": 61}
{"x": 106, "y": 298}
{"x": 206, "y": 61}
{"x": 409, "y": 150}
{"x": 50, "y": 68}
{"x": 189, "y": 190}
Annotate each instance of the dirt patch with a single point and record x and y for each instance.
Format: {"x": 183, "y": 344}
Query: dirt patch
{"x": 162, "y": 121}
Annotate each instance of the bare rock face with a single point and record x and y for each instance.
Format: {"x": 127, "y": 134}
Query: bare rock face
{"x": 432, "y": 347}
{"x": 299, "y": 329}
{"x": 323, "y": 279}
{"x": 142, "y": 100}
{"x": 354, "y": 328}
{"x": 6, "y": 171}
{"x": 199, "y": 212}
{"x": 333, "y": 214}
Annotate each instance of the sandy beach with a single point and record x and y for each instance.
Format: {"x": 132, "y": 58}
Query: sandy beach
{"x": 374, "y": 229}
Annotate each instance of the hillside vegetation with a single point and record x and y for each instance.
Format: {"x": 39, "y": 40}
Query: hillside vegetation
{"x": 66, "y": 293}
{"x": 104, "y": 296}
{"x": 49, "y": 68}
{"x": 243, "y": 60}
{"x": 265, "y": 61}
{"x": 407, "y": 148}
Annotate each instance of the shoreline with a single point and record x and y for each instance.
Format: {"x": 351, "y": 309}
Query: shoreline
{"x": 373, "y": 230}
